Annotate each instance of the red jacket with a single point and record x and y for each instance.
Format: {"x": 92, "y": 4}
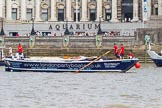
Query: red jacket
{"x": 122, "y": 50}
{"x": 20, "y": 49}
{"x": 131, "y": 55}
{"x": 115, "y": 49}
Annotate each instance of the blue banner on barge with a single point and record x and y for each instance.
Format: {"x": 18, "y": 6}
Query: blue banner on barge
{"x": 70, "y": 66}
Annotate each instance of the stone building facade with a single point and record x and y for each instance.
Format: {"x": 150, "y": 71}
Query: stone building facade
{"x": 79, "y": 11}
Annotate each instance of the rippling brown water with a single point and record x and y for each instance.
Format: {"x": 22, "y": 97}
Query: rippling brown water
{"x": 138, "y": 88}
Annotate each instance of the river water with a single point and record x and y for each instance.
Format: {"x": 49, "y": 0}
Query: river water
{"x": 138, "y": 88}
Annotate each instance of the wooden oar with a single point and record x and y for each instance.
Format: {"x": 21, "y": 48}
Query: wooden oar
{"x": 91, "y": 62}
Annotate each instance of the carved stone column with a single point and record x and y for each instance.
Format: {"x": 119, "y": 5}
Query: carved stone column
{"x": 114, "y": 11}
{"x": 149, "y": 8}
{"x": 53, "y": 10}
{"x": 135, "y": 10}
{"x": 84, "y": 10}
{"x": 159, "y": 7}
{"x": 99, "y": 10}
{"x": 23, "y": 10}
{"x": 8, "y": 13}
{"x": 1, "y": 8}
{"x": 37, "y": 10}
{"x": 68, "y": 10}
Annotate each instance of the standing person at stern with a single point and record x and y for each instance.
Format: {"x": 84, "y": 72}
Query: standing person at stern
{"x": 115, "y": 50}
{"x": 20, "y": 49}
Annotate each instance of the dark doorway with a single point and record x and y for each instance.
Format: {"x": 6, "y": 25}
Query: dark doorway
{"x": 46, "y": 34}
{"x": 156, "y": 11}
{"x": 78, "y": 15}
{"x": 92, "y": 14}
{"x": 127, "y": 10}
{"x": 60, "y": 14}
{"x": 108, "y": 14}
{"x": 13, "y": 33}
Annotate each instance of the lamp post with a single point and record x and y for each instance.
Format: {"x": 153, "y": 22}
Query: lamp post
{"x": 2, "y": 30}
{"x": 66, "y": 30}
{"x": 99, "y": 27}
{"x": 33, "y": 31}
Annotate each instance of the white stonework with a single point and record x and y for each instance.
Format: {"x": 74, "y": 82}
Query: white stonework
{"x": 84, "y": 11}
{"x": 23, "y": 10}
{"x": 68, "y": 10}
{"x": 9, "y": 9}
{"x": 1, "y": 8}
{"x": 37, "y": 11}
{"x": 114, "y": 11}
{"x": 149, "y": 8}
{"x": 159, "y": 7}
{"x": 135, "y": 10}
{"x": 99, "y": 10}
{"x": 53, "y": 10}
{"x": 8, "y": 13}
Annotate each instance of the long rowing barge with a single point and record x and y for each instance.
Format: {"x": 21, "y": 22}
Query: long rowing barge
{"x": 58, "y": 64}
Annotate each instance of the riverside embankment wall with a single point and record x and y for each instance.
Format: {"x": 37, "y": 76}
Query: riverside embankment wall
{"x": 83, "y": 45}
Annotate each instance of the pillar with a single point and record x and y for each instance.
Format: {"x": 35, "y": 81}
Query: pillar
{"x": 84, "y": 10}
{"x": 114, "y": 11}
{"x": 8, "y": 13}
{"x": 53, "y": 10}
{"x": 23, "y": 10}
{"x": 159, "y": 7}
{"x": 99, "y": 10}
{"x": 1, "y": 9}
{"x": 37, "y": 10}
{"x": 68, "y": 10}
{"x": 149, "y": 8}
{"x": 135, "y": 10}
